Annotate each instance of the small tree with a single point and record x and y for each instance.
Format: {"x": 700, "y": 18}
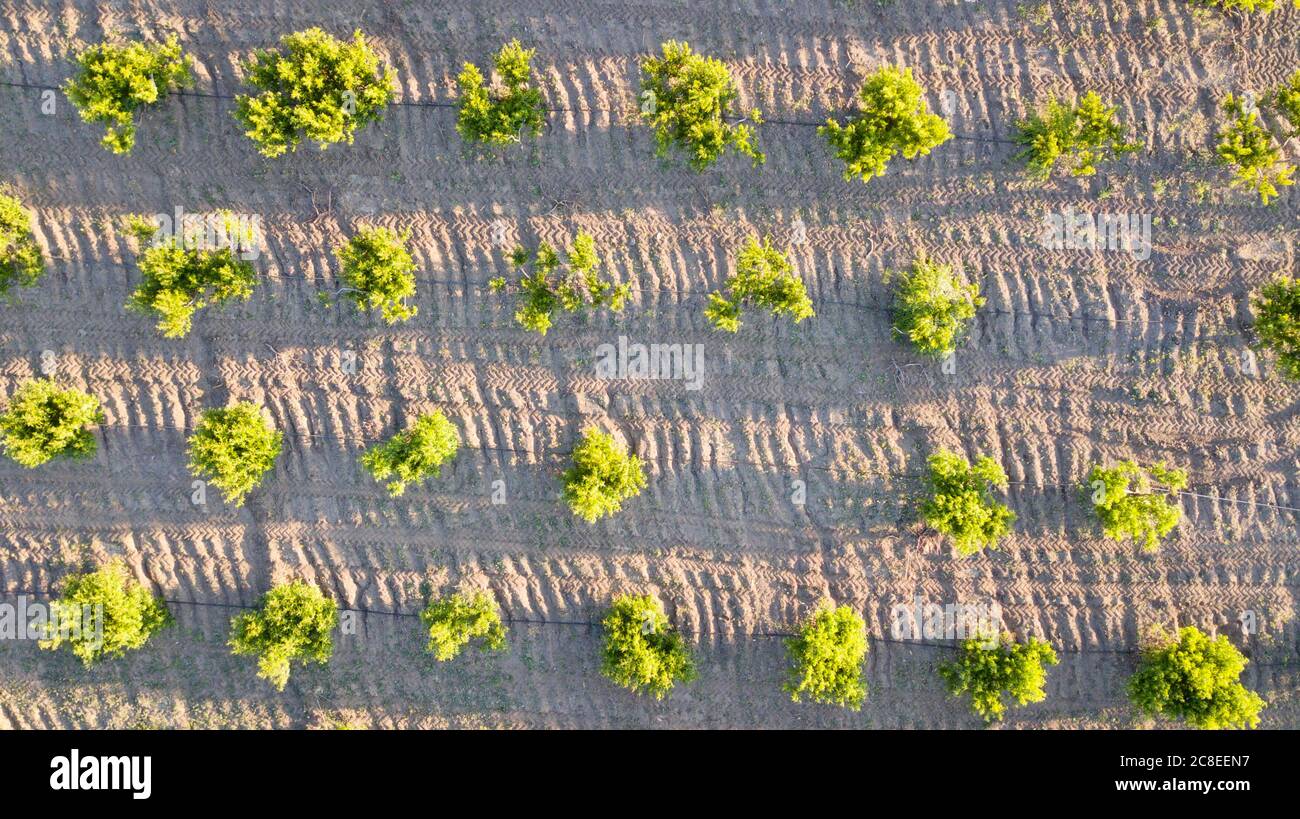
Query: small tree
{"x": 1249, "y": 6}
{"x": 764, "y": 277}
{"x": 414, "y": 454}
{"x": 1077, "y": 135}
{"x": 456, "y": 619}
{"x": 178, "y": 280}
{"x": 603, "y": 475}
{"x": 894, "y": 119}
{"x": 21, "y": 262}
{"x": 1127, "y": 501}
{"x": 961, "y": 503}
{"x": 826, "y": 658}
{"x": 113, "y": 81}
{"x": 103, "y": 613}
{"x": 1248, "y": 148}
{"x": 642, "y": 650}
{"x": 234, "y": 448}
{"x": 379, "y": 272}
{"x": 933, "y": 307}
{"x": 992, "y": 670}
{"x": 1194, "y": 678}
{"x": 314, "y": 87}
{"x": 573, "y": 284}
{"x": 1277, "y": 307}
{"x": 685, "y": 98}
{"x": 292, "y": 623}
{"x": 43, "y": 422}
{"x": 1286, "y": 99}
{"x": 498, "y": 116}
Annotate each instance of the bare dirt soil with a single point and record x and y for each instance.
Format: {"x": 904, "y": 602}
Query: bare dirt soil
{"x": 1079, "y": 356}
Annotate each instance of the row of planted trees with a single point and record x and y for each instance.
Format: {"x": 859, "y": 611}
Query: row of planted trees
{"x": 317, "y": 88}
{"x": 182, "y": 273}
{"x": 233, "y": 448}
{"x": 1188, "y": 676}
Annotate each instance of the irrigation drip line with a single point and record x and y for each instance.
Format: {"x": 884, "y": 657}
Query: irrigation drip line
{"x": 448, "y": 104}
{"x": 955, "y": 645}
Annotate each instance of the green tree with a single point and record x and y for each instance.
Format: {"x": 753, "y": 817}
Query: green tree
{"x": 961, "y": 503}
{"x": 498, "y": 116}
{"x": 1133, "y": 501}
{"x": 454, "y": 620}
{"x": 103, "y": 613}
{"x": 1249, "y": 6}
{"x": 992, "y": 670}
{"x": 643, "y": 652}
{"x": 379, "y": 272}
{"x": 685, "y": 98}
{"x": 933, "y": 307}
{"x": 178, "y": 280}
{"x": 234, "y": 448}
{"x": 894, "y": 119}
{"x": 43, "y": 422}
{"x": 113, "y": 81}
{"x": 315, "y": 87}
{"x": 1277, "y": 323}
{"x": 292, "y": 623}
{"x": 1249, "y": 150}
{"x": 826, "y": 658}
{"x": 416, "y": 453}
{"x": 1193, "y": 678}
{"x": 1286, "y": 99}
{"x": 1077, "y": 135}
{"x": 763, "y": 277}
{"x": 572, "y": 284}
{"x": 603, "y": 475}
{"x": 21, "y": 262}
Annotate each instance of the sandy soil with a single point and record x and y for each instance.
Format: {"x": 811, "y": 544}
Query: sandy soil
{"x": 1078, "y": 356}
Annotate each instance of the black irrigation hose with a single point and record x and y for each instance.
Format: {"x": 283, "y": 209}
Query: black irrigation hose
{"x": 447, "y": 104}
{"x": 687, "y": 631}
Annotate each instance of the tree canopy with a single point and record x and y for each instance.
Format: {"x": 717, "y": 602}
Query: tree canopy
{"x": 103, "y": 613}
{"x": 686, "y": 97}
{"x": 763, "y": 277}
{"x": 453, "y": 621}
{"x": 893, "y": 118}
{"x": 501, "y": 115}
{"x": 1277, "y": 323}
{"x": 114, "y": 81}
{"x": 42, "y": 422}
{"x": 292, "y": 624}
{"x": 643, "y": 652}
{"x": 603, "y": 475}
{"x": 379, "y": 273}
{"x": 316, "y": 87}
{"x": 416, "y": 453}
{"x": 234, "y": 448}
{"x": 991, "y": 671}
{"x": 1074, "y": 135}
{"x": 961, "y": 504}
{"x": 21, "y": 261}
{"x": 826, "y": 658}
{"x": 933, "y": 307}
{"x": 1137, "y": 502}
{"x": 1193, "y": 677}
